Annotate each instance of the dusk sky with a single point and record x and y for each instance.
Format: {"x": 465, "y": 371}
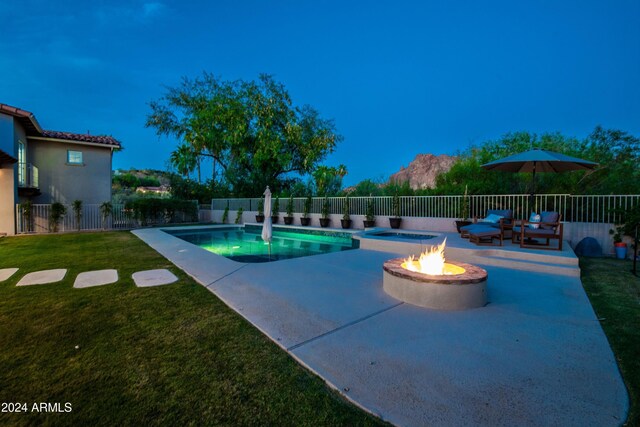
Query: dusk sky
{"x": 398, "y": 78}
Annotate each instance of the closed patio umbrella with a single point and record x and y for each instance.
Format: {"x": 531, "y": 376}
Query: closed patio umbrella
{"x": 537, "y": 160}
{"x": 266, "y": 226}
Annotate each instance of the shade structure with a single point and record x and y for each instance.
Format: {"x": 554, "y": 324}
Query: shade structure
{"x": 540, "y": 161}
{"x": 537, "y": 160}
{"x": 266, "y": 226}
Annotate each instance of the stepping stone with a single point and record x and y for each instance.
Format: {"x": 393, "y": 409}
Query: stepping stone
{"x": 5, "y": 273}
{"x": 95, "y": 278}
{"x": 153, "y": 278}
{"x": 42, "y": 277}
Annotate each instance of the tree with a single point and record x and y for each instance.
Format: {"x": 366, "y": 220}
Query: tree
{"x": 328, "y": 180}
{"x": 250, "y": 130}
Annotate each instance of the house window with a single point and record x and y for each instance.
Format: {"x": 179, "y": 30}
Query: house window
{"x": 74, "y": 157}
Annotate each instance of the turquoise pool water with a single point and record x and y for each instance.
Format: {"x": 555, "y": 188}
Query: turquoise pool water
{"x": 246, "y": 245}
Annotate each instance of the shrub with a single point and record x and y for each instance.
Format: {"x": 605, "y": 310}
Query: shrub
{"x": 261, "y": 206}
{"x": 149, "y": 210}
{"x": 370, "y": 215}
{"x": 106, "y": 209}
{"x": 225, "y": 214}
{"x": 275, "y": 207}
{"x": 27, "y": 212}
{"x": 307, "y": 207}
{"x": 325, "y": 207}
{"x": 77, "y": 211}
{"x": 346, "y": 209}
{"x": 239, "y": 216}
{"x": 290, "y": 206}
{"x": 57, "y": 211}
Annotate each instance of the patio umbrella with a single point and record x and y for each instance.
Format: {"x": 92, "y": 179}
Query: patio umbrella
{"x": 537, "y": 160}
{"x": 266, "y": 226}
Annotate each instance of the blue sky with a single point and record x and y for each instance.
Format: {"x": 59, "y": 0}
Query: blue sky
{"x": 398, "y": 78}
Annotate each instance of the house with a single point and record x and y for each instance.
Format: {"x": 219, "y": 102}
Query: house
{"x": 162, "y": 191}
{"x": 48, "y": 166}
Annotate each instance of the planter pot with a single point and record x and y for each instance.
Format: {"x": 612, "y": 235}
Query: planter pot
{"x": 369, "y": 224}
{"x": 346, "y": 223}
{"x": 288, "y": 220}
{"x": 305, "y": 221}
{"x": 259, "y": 218}
{"x": 460, "y": 223}
{"x": 324, "y": 222}
{"x": 621, "y": 250}
{"x": 274, "y": 220}
{"x": 395, "y": 222}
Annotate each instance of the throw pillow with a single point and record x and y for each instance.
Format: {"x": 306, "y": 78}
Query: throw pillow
{"x": 533, "y": 219}
{"x": 493, "y": 218}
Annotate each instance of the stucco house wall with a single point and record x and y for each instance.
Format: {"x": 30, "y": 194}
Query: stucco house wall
{"x": 63, "y": 182}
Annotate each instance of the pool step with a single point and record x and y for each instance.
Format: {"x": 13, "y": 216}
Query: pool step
{"x": 564, "y": 269}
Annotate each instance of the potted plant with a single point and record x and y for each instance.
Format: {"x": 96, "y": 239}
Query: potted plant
{"x": 260, "y": 216}
{"x": 225, "y": 214}
{"x": 275, "y": 210}
{"x": 346, "y": 214}
{"x": 619, "y": 246}
{"x": 288, "y": 220}
{"x": 324, "y": 220}
{"x": 395, "y": 220}
{"x": 627, "y": 225}
{"x": 463, "y": 214}
{"x": 370, "y": 217}
{"x": 305, "y": 220}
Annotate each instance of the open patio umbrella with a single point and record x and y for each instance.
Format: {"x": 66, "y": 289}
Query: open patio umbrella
{"x": 537, "y": 160}
{"x": 266, "y": 226}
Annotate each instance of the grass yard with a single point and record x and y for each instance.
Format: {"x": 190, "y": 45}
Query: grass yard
{"x": 615, "y": 296}
{"x": 171, "y": 355}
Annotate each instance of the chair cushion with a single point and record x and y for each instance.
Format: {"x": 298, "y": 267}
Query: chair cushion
{"x": 549, "y": 217}
{"x": 534, "y": 219}
{"x": 539, "y": 232}
{"x": 484, "y": 232}
{"x": 477, "y": 225}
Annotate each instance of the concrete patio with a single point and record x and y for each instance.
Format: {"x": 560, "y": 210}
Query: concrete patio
{"x": 535, "y": 355}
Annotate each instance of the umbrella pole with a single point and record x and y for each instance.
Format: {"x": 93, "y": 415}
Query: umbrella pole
{"x": 532, "y": 197}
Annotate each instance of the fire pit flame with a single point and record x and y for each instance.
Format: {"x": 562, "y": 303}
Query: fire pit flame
{"x": 432, "y": 262}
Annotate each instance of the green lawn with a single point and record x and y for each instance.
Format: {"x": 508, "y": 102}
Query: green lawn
{"x": 171, "y": 355}
{"x": 615, "y": 296}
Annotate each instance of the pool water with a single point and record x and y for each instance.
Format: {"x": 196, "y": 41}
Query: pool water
{"x": 246, "y": 244}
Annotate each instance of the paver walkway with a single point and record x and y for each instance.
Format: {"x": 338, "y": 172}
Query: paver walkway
{"x": 42, "y": 277}
{"x": 149, "y": 278}
{"x": 95, "y": 278}
{"x": 5, "y": 273}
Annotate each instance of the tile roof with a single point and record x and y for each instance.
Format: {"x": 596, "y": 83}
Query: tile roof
{"x": 33, "y": 129}
{"x": 93, "y": 139}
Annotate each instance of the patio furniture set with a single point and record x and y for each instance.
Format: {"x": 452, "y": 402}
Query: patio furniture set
{"x": 536, "y": 232}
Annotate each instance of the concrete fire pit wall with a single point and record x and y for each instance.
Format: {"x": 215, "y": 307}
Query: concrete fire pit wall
{"x": 454, "y": 292}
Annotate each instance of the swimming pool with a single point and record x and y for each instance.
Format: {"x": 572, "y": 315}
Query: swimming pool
{"x": 245, "y": 244}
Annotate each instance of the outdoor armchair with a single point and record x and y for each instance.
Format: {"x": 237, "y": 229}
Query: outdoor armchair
{"x": 549, "y": 228}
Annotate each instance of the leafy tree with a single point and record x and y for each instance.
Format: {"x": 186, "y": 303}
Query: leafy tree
{"x": 328, "y": 180}
{"x": 250, "y": 130}
{"x": 367, "y": 188}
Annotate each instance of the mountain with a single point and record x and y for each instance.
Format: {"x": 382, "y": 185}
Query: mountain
{"x": 423, "y": 170}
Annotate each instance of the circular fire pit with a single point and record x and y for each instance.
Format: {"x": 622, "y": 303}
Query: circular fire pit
{"x": 465, "y": 288}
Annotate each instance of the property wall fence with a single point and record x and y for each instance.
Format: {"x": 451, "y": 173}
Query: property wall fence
{"x": 574, "y": 208}
{"x": 91, "y": 219}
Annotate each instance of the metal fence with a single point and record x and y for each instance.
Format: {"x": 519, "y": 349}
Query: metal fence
{"x": 574, "y": 208}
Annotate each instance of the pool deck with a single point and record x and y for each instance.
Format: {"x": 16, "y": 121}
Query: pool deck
{"x": 535, "y": 355}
